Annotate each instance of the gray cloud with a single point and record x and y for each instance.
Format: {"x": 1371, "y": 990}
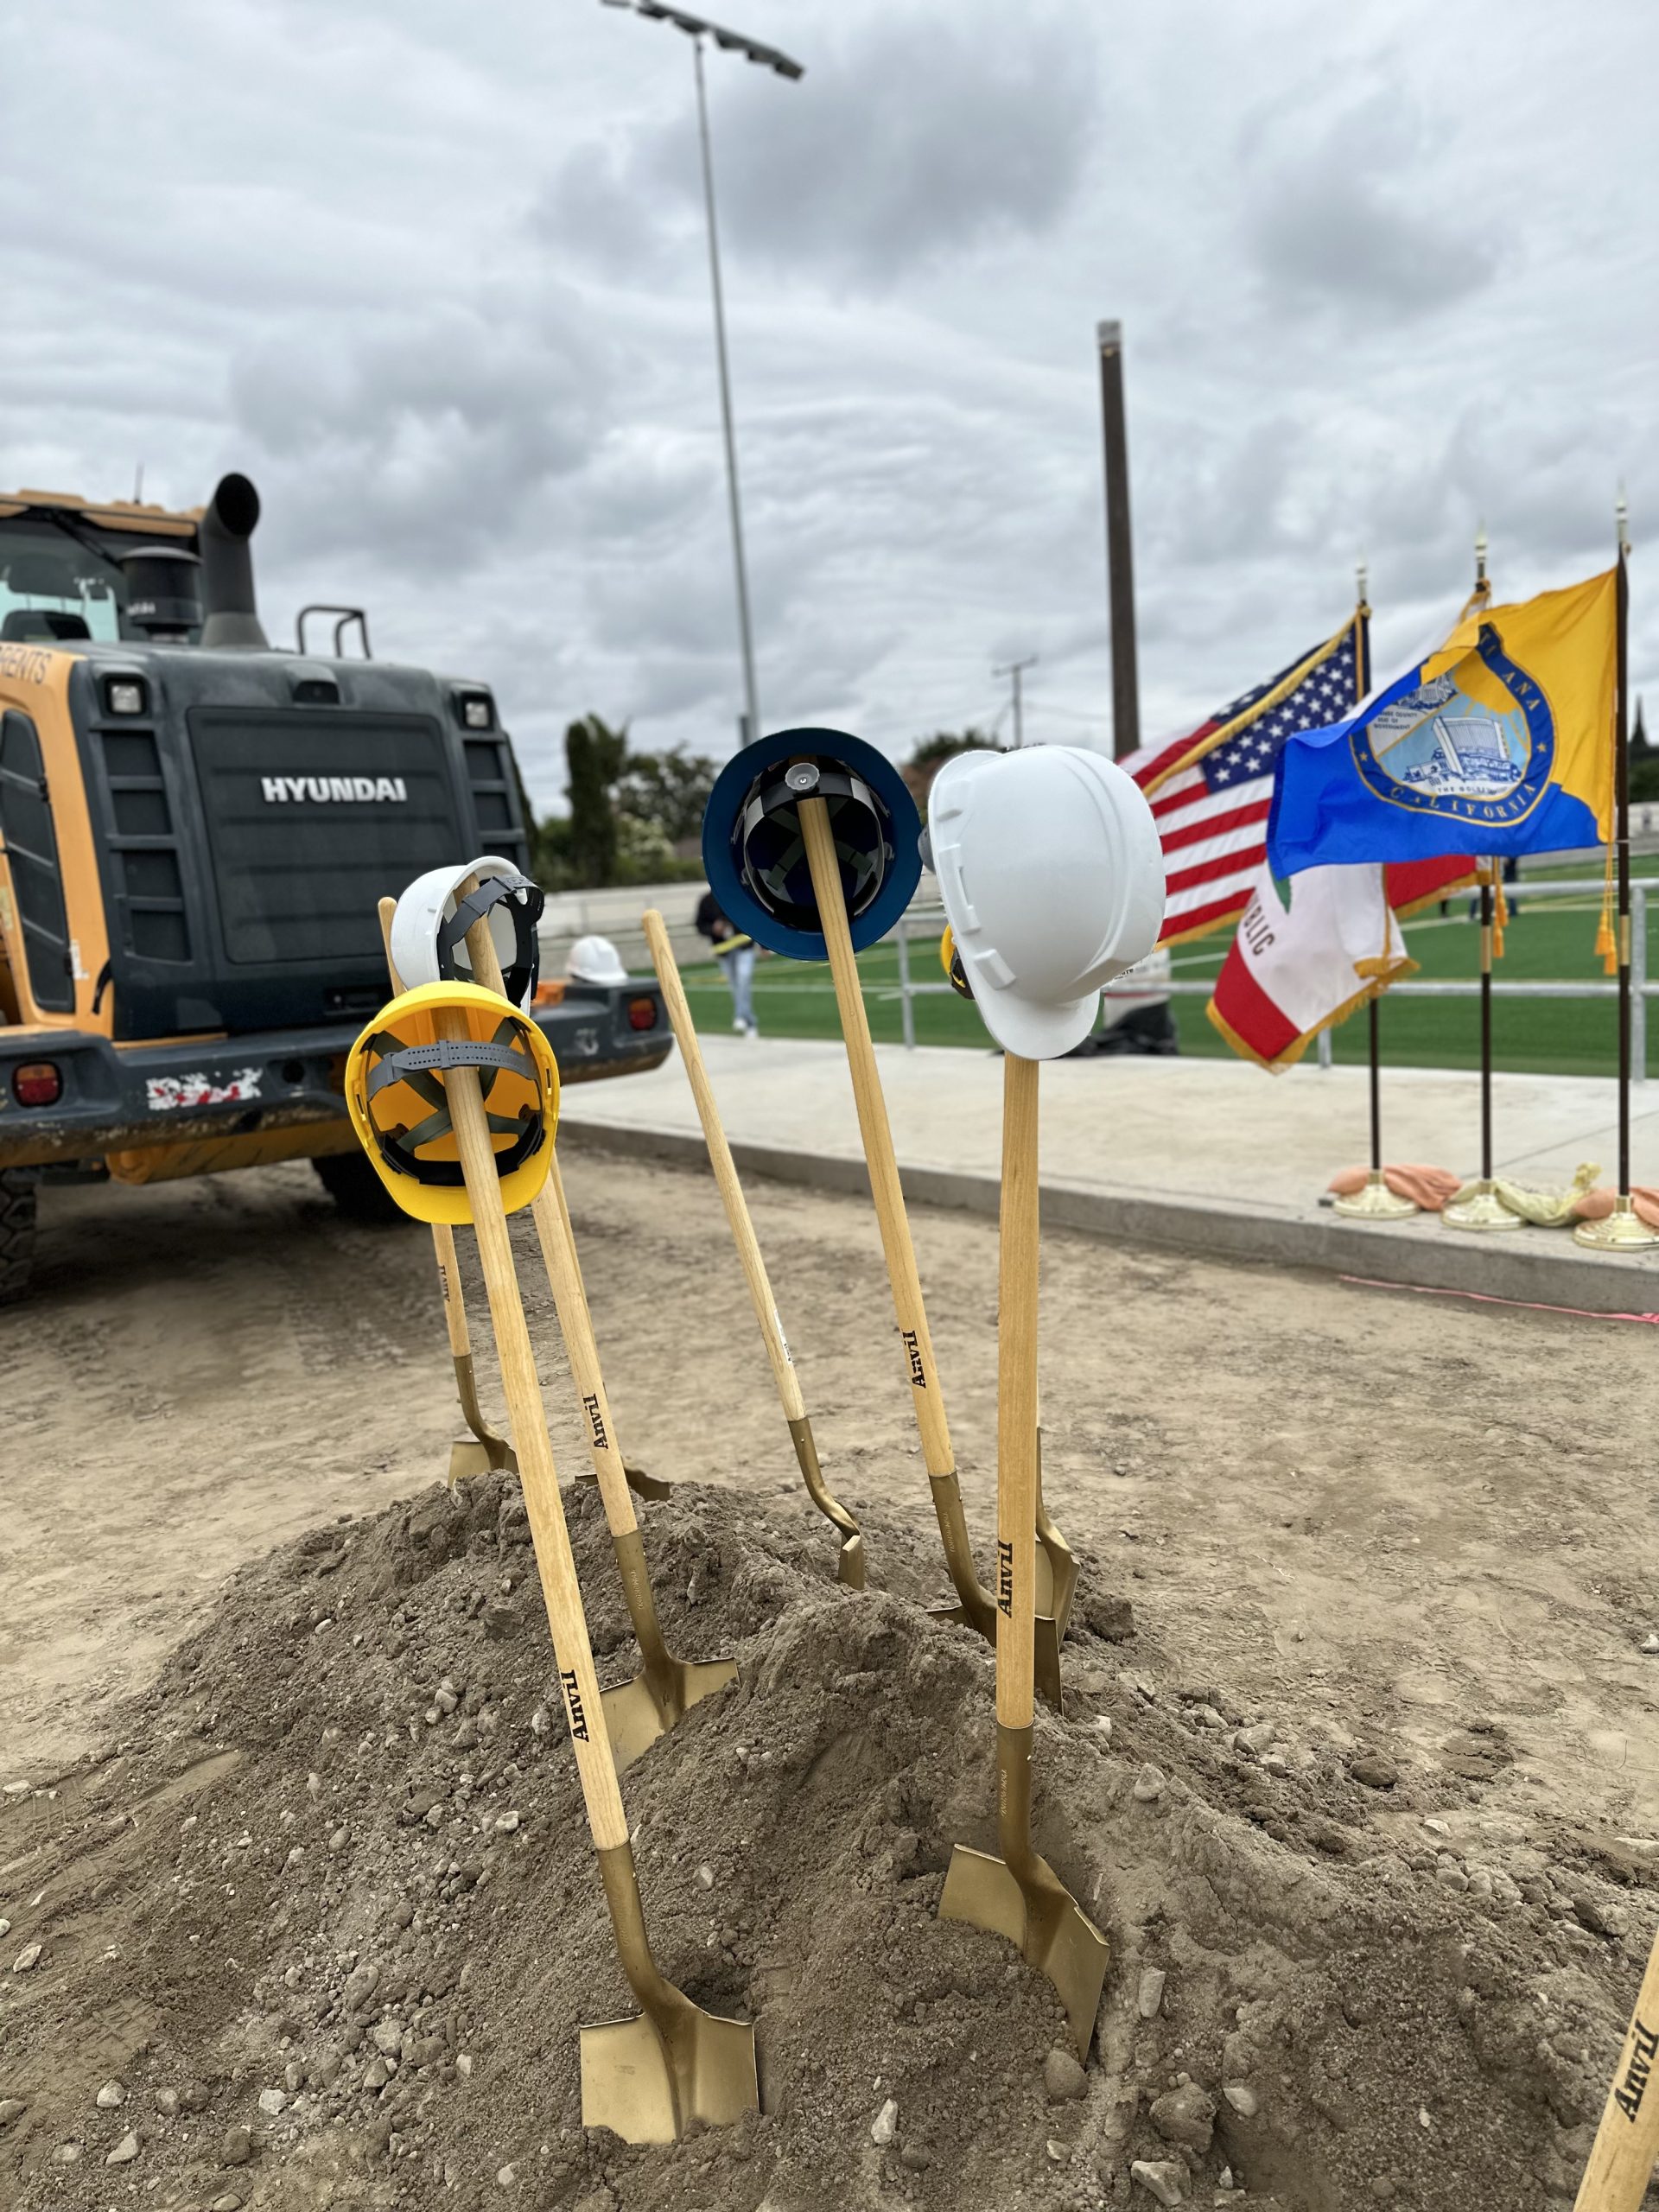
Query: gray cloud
{"x": 442, "y": 287}
{"x": 914, "y": 138}
{"x": 1357, "y": 217}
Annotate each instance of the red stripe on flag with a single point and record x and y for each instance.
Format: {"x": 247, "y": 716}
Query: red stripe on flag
{"x": 1153, "y": 763}
{"x": 1189, "y": 878}
{"x": 1242, "y": 1009}
{"x": 1409, "y": 881}
{"x": 1198, "y": 921}
{"x": 1183, "y": 790}
{"x": 1218, "y": 826}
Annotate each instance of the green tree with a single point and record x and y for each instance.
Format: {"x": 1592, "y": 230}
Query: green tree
{"x": 930, "y": 754}
{"x": 667, "y": 790}
{"x": 944, "y": 744}
{"x": 593, "y": 754}
{"x": 552, "y": 863}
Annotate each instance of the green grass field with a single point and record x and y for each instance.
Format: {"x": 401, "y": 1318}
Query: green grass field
{"x": 1546, "y": 941}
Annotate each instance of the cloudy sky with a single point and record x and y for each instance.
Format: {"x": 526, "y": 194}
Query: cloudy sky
{"x": 436, "y": 277}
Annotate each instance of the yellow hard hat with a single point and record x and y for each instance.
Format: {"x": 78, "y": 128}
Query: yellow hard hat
{"x": 950, "y": 961}
{"x": 395, "y": 1076}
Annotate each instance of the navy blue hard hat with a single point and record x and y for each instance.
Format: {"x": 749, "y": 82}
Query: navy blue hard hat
{"x": 756, "y": 858}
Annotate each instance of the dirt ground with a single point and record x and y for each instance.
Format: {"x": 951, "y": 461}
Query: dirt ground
{"x": 1391, "y": 1565}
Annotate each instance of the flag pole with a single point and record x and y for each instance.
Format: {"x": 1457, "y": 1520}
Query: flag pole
{"x": 1482, "y": 1209}
{"x": 1374, "y": 1201}
{"x": 1623, "y": 1230}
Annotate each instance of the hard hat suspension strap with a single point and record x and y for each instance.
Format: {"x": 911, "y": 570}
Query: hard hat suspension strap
{"x": 412, "y": 1064}
{"x": 525, "y": 901}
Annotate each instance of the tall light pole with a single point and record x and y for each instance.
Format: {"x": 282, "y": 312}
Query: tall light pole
{"x": 766, "y": 57}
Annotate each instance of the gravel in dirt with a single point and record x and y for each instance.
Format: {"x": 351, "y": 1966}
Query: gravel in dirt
{"x": 328, "y": 1917}
{"x": 1367, "y": 1580}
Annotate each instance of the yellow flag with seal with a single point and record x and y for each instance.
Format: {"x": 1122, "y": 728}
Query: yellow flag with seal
{"x": 1501, "y": 742}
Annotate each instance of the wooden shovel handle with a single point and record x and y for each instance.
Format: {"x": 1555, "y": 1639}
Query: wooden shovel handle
{"x": 1627, "y": 2141}
{"x": 454, "y": 1310}
{"x": 719, "y": 1159}
{"x": 877, "y": 1134}
{"x": 576, "y": 1325}
{"x": 444, "y": 1238}
{"x": 560, "y": 1592}
{"x": 558, "y": 1243}
{"x": 1016, "y": 1393}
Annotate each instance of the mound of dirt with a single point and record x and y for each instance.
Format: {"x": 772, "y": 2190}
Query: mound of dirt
{"x": 318, "y": 1929}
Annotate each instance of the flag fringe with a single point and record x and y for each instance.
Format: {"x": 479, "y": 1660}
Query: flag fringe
{"x": 1438, "y": 896}
{"x": 1293, "y": 1054}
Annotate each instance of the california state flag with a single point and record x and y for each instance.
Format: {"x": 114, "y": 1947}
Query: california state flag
{"x": 1311, "y": 948}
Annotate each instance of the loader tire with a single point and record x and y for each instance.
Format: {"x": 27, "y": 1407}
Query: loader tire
{"x": 356, "y": 1189}
{"x": 16, "y": 1232}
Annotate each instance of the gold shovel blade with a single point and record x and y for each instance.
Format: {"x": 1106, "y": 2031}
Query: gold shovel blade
{"x": 1046, "y": 1649}
{"x": 639, "y": 1712}
{"x": 648, "y": 2089}
{"x": 651, "y": 1488}
{"x": 469, "y": 1457}
{"x": 1040, "y": 1916}
{"x": 1057, "y": 1567}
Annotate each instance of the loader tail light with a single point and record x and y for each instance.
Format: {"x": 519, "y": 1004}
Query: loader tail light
{"x": 642, "y": 1014}
{"x": 37, "y": 1082}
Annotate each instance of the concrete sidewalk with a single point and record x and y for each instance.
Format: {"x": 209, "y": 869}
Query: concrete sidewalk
{"x": 1202, "y": 1153}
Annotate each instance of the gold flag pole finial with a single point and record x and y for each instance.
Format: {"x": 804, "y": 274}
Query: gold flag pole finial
{"x": 1480, "y": 558}
{"x": 1621, "y": 512}
{"x": 1362, "y": 581}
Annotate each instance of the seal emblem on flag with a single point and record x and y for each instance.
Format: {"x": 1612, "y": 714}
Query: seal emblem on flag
{"x": 1475, "y": 744}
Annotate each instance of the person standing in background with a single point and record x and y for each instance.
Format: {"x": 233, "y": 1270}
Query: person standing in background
{"x": 735, "y": 954}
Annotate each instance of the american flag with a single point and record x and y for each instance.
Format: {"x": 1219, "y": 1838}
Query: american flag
{"x": 1212, "y": 812}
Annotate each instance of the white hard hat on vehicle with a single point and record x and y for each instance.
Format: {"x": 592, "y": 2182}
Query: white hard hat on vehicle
{"x": 596, "y": 959}
{"x": 1052, "y": 879}
{"x": 428, "y": 930}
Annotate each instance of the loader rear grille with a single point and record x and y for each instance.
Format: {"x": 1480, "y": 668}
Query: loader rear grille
{"x": 311, "y": 819}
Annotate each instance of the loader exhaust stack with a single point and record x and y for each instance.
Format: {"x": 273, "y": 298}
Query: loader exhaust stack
{"x": 227, "y": 525}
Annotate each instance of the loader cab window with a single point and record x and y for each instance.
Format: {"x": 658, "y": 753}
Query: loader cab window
{"x": 31, "y": 847}
{"x": 54, "y": 589}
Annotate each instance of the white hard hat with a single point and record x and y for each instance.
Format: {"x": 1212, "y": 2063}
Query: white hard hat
{"x": 596, "y": 959}
{"x": 1052, "y": 878}
{"x": 428, "y": 930}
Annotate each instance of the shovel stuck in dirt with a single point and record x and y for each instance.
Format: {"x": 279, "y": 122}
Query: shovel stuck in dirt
{"x": 1627, "y": 2141}
{"x": 649, "y": 2078}
{"x": 850, "y": 1566}
{"x": 1057, "y": 1567}
{"x": 636, "y": 1712}
{"x": 483, "y": 1451}
{"x": 1018, "y": 1894}
{"x": 975, "y": 1605}
{"x": 652, "y": 1488}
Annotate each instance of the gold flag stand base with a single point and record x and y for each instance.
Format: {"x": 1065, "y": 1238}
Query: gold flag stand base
{"x": 1375, "y": 1201}
{"x": 1482, "y": 1209}
{"x": 1622, "y": 1230}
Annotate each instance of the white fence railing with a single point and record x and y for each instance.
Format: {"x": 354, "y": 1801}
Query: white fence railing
{"x": 928, "y": 923}
{"x": 616, "y": 914}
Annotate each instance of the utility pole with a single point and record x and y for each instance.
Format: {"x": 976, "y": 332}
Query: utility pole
{"x": 1016, "y": 669}
{"x": 1120, "y": 560}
